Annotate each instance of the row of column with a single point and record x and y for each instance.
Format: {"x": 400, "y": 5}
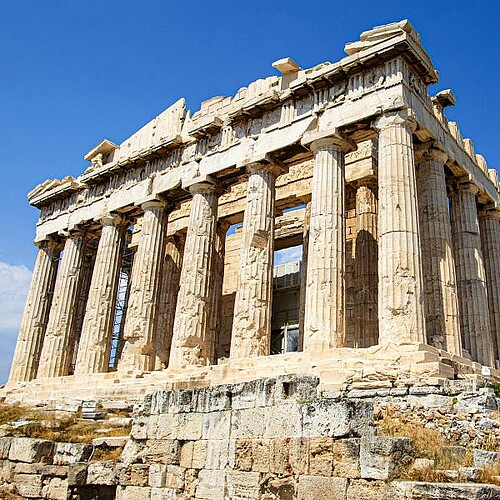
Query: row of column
{"x": 433, "y": 283}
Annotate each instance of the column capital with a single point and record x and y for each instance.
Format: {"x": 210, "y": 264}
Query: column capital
{"x": 400, "y": 118}
{"x": 318, "y": 140}
{"x": 465, "y": 187}
{"x": 263, "y": 166}
{"x": 75, "y": 232}
{"x": 430, "y": 151}
{"x": 370, "y": 182}
{"x": 204, "y": 187}
{"x": 50, "y": 244}
{"x": 111, "y": 219}
{"x": 222, "y": 226}
{"x": 490, "y": 212}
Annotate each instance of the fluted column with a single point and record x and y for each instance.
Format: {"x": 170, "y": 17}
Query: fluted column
{"x": 58, "y": 344}
{"x": 251, "y": 334}
{"x": 168, "y": 298}
{"x": 190, "y": 344}
{"x": 489, "y": 225}
{"x": 216, "y": 290}
{"x": 97, "y": 329}
{"x": 439, "y": 278}
{"x": 365, "y": 264}
{"x": 400, "y": 291}
{"x": 324, "y": 322}
{"x": 139, "y": 340}
{"x": 303, "y": 276}
{"x": 471, "y": 279}
{"x": 36, "y": 313}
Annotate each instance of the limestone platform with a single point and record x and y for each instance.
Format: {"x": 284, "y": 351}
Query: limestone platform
{"x": 340, "y": 369}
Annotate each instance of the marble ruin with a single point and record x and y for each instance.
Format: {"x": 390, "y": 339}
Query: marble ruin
{"x": 155, "y": 266}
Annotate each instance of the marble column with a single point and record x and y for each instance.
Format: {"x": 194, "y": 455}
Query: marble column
{"x": 168, "y": 298}
{"x": 139, "y": 342}
{"x": 439, "y": 278}
{"x": 489, "y": 225}
{"x": 36, "y": 313}
{"x": 251, "y": 334}
{"x": 190, "y": 345}
{"x": 97, "y": 330}
{"x": 303, "y": 276}
{"x": 58, "y": 344}
{"x": 324, "y": 322}
{"x": 366, "y": 264}
{"x": 471, "y": 279}
{"x": 400, "y": 291}
{"x": 216, "y": 290}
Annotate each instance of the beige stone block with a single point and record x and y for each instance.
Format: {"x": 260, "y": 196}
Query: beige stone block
{"x": 166, "y": 494}
{"x": 346, "y": 458}
{"x": 165, "y": 451}
{"x": 366, "y": 490}
{"x": 70, "y": 453}
{"x": 211, "y": 484}
{"x": 283, "y": 421}
{"x": 321, "y": 456}
{"x": 133, "y": 474}
{"x": 217, "y": 454}
{"x": 183, "y": 426}
{"x": 28, "y": 485}
{"x": 175, "y": 477}
{"x": 190, "y": 483}
{"x": 261, "y": 455}
{"x": 5, "y": 443}
{"x": 216, "y": 425}
{"x": 56, "y": 489}
{"x": 250, "y": 423}
{"x": 322, "y": 488}
{"x": 133, "y": 493}
{"x": 279, "y": 462}
{"x": 243, "y": 485}
{"x": 299, "y": 455}
{"x": 157, "y": 475}
{"x": 31, "y": 450}
{"x": 243, "y": 454}
{"x": 101, "y": 473}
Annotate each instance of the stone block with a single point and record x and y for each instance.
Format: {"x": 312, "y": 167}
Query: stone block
{"x": 279, "y": 462}
{"x": 321, "y": 456}
{"x": 243, "y": 485}
{"x": 299, "y": 455}
{"x": 28, "y": 485}
{"x": 31, "y": 450}
{"x": 346, "y": 457}
{"x": 77, "y": 474}
{"x": 216, "y": 425}
{"x": 211, "y": 399}
{"x": 110, "y": 441}
{"x": 250, "y": 423}
{"x": 133, "y": 452}
{"x": 211, "y": 484}
{"x": 165, "y": 494}
{"x": 5, "y": 471}
{"x": 157, "y": 475}
{"x": 360, "y": 489}
{"x": 133, "y": 493}
{"x": 244, "y": 395}
{"x": 243, "y": 454}
{"x": 101, "y": 473}
{"x": 71, "y": 453}
{"x": 322, "y": 488}
{"x": 384, "y": 457}
{"x": 56, "y": 489}
{"x": 217, "y": 454}
{"x": 261, "y": 455}
{"x": 193, "y": 454}
{"x": 456, "y": 491}
{"x": 485, "y": 458}
{"x": 140, "y": 427}
{"x": 166, "y": 451}
{"x": 5, "y": 443}
{"x": 183, "y": 426}
{"x": 132, "y": 474}
{"x": 175, "y": 477}
{"x": 283, "y": 421}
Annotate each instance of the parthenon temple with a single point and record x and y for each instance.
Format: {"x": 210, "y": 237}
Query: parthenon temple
{"x": 328, "y": 220}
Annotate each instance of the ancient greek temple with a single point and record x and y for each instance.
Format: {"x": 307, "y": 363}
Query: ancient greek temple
{"x": 162, "y": 262}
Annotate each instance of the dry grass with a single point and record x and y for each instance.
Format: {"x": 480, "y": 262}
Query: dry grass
{"x": 49, "y": 425}
{"x": 8, "y": 494}
{"x": 103, "y": 454}
{"x": 490, "y": 474}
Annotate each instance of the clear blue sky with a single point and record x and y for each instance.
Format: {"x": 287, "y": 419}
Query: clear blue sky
{"x": 73, "y": 72}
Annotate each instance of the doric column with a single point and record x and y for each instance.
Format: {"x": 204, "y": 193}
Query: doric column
{"x": 400, "y": 291}
{"x": 440, "y": 287}
{"x": 190, "y": 345}
{"x": 471, "y": 279}
{"x": 58, "y": 344}
{"x": 303, "y": 275}
{"x": 142, "y": 310}
{"x": 97, "y": 329}
{"x": 366, "y": 264}
{"x": 216, "y": 290}
{"x": 251, "y": 334}
{"x": 489, "y": 225}
{"x": 168, "y": 298}
{"x": 36, "y": 313}
{"x": 324, "y": 322}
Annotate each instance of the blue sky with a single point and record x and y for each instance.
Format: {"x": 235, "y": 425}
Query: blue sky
{"x": 73, "y": 72}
